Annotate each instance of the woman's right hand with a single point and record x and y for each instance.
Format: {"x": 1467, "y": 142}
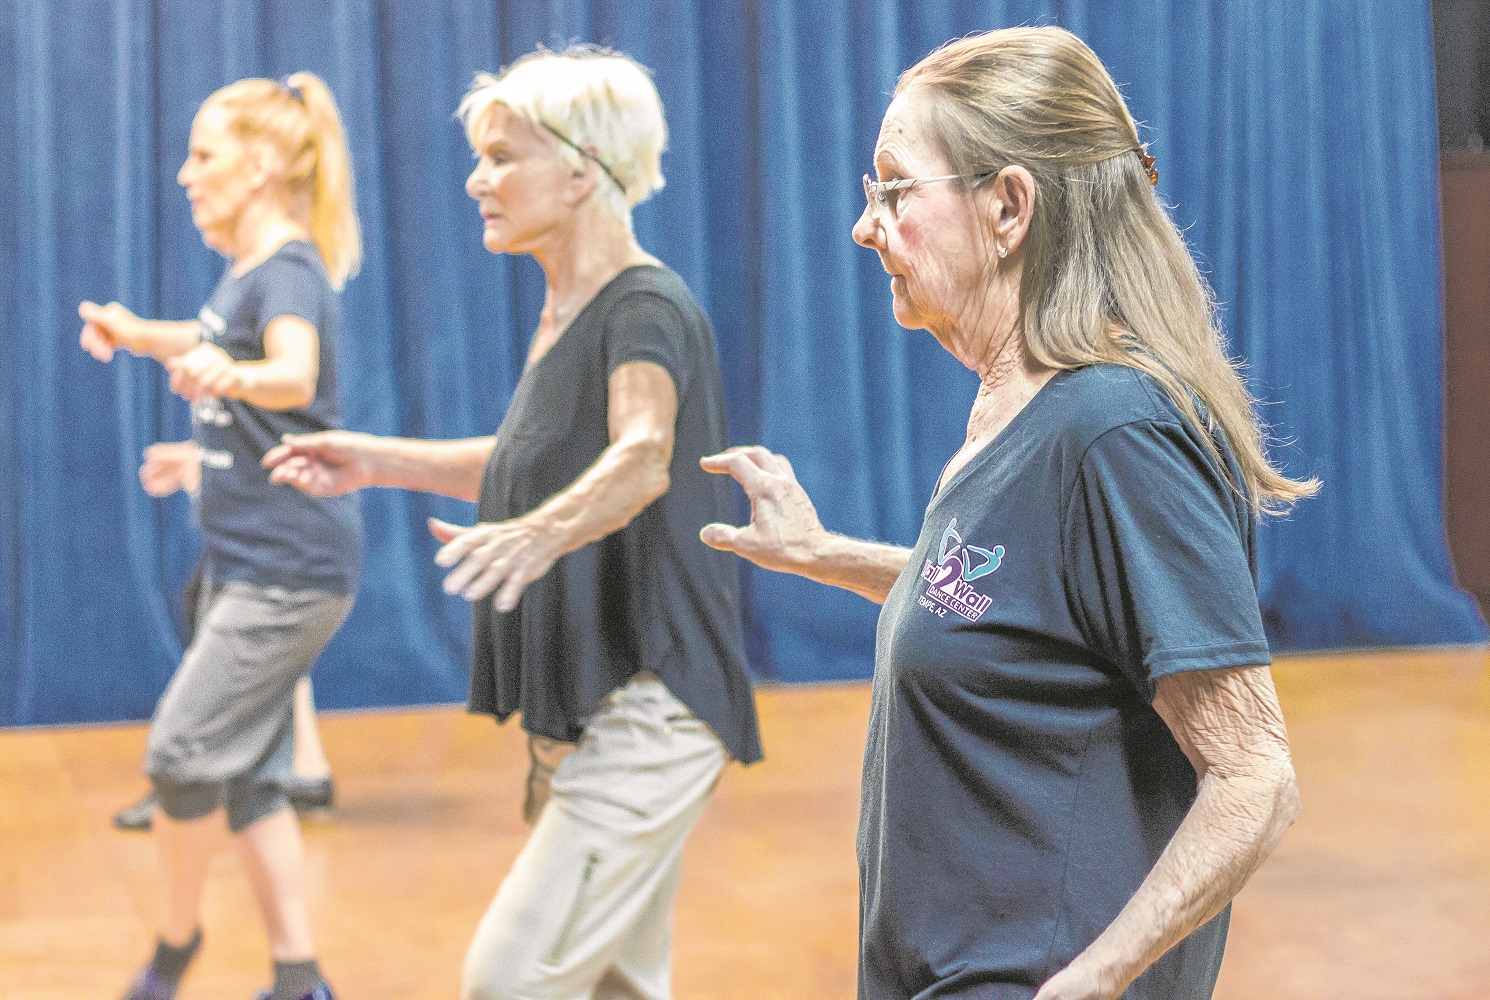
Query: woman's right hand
{"x": 170, "y": 466}
{"x": 324, "y": 464}
{"x": 108, "y": 328}
{"x": 783, "y": 522}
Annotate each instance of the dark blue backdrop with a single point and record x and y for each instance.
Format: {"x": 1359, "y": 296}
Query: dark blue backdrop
{"x": 1295, "y": 140}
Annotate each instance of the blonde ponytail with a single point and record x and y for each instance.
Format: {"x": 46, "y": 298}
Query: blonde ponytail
{"x": 298, "y": 118}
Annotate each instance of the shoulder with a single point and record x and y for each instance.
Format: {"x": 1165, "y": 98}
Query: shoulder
{"x": 651, "y": 291}
{"x": 1121, "y": 427}
{"x": 296, "y": 261}
{"x": 1093, "y": 401}
{"x": 653, "y": 298}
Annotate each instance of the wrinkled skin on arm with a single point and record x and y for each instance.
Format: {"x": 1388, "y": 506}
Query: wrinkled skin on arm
{"x": 785, "y": 535}
{"x": 1230, "y": 726}
{"x": 508, "y": 556}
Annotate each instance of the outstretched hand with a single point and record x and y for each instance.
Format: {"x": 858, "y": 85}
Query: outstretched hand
{"x": 106, "y": 329}
{"x": 170, "y": 466}
{"x": 783, "y": 522}
{"x": 324, "y": 464}
{"x": 505, "y": 557}
{"x": 205, "y": 371}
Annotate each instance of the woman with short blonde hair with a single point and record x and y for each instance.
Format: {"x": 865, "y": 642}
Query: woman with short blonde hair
{"x": 600, "y": 106}
{"x": 596, "y": 612}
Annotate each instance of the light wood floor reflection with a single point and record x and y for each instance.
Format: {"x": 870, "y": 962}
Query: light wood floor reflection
{"x": 1381, "y": 891}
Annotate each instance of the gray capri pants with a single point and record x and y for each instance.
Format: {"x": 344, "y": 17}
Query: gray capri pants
{"x": 223, "y": 731}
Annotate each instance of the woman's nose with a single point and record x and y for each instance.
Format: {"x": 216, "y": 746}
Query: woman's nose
{"x": 867, "y": 232}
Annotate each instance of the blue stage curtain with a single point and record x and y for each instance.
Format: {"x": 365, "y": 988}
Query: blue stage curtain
{"x": 1296, "y": 142}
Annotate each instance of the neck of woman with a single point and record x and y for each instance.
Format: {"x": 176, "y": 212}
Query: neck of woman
{"x": 1007, "y": 382}
{"x": 264, "y": 227}
{"x": 581, "y": 259}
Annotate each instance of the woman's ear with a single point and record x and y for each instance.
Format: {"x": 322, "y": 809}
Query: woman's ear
{"x": 582, "y": 180}
{"x": 1013, "y": 208}
{"x": 261, "y": 165}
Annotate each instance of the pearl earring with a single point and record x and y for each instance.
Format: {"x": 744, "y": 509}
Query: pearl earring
{"x": 1002, "y": 250}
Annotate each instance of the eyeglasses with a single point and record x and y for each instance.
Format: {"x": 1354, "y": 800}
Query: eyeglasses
{"x": 885, "y": 194}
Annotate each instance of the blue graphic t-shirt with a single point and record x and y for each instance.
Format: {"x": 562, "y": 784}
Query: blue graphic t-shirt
{"x": 253, "y": 530}
{"x": 1018, "y": 784}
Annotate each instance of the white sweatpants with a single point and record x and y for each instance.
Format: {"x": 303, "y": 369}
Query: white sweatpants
{"x": 586, "y": 912}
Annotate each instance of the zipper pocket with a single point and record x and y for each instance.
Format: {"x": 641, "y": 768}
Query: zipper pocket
{"x": 557, "y": 951}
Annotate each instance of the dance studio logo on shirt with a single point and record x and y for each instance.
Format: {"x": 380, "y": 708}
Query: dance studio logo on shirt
{"x": 210, "y": 325}
{"x": 209, "y": 411}
{"x": 950, "y": 578}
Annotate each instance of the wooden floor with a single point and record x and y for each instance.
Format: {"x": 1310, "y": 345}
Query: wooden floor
{"x": 1381, "y": 891}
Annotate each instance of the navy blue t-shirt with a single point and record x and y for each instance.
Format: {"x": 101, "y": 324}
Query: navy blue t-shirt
{"x": 254, "y": 530}
{"x": 1018, "y": 784}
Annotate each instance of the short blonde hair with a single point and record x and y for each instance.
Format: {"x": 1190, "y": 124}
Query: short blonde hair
{"x": 298, "y": 117}
{"x": 596, "y": 98}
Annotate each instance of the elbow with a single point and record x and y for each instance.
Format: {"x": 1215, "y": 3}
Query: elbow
{"x": 1290, "y": 802}
{"x": 281, "y": 398}
{"x": 657, "y": 482}
{"x": 653, "y": 457}
{"x": 302, "y": 396}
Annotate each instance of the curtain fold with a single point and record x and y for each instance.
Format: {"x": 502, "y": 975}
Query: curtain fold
{"x": 1296, "y": 144}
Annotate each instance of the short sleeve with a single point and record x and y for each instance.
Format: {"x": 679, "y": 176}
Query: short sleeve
{"x": 647, "y": 327}
{"x": 1158, "y": 570}
{"x": 292, "y": 286}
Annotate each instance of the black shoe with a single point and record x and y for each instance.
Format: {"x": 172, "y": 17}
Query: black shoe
{"x": 138, "y": 815}
{"x": 322, "y": 992}
{"x": 307, "y": 794}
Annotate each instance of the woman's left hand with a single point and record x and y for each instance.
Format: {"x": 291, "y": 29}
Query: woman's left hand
{"x": 1072, "y": 983}
{"x": 204, "y": 371}
{"x": 505, "y": 557}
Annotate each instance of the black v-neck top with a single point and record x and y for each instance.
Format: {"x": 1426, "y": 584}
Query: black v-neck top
{"x": 649, "y": 596}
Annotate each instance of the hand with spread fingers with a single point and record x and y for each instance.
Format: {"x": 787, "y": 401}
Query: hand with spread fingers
{"x": 783, "y": 522}
{"x": 324, "y": 464}
{"x": 205, "y": 371}
{"x": 170, "y": 466}
{"x": 503, "y": 557}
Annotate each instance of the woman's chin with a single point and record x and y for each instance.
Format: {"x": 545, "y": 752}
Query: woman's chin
{"x": 904, "y": 312}
{"x": 494, "y": 242}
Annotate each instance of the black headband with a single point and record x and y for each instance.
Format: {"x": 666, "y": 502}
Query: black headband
{"x": 583, "y": 152}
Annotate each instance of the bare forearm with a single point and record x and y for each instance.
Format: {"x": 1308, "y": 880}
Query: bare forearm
{"x": 449, "y": 468}
{"x": 273, "y": 385}
{"x": 164, "y": 339}
{"x": 1231, "y": 828}
{"x": 626, "y": 477}
{"x": 869, "y": 569}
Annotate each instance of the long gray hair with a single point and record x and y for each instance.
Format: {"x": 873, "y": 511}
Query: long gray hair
{"x": 1107, "y": 276}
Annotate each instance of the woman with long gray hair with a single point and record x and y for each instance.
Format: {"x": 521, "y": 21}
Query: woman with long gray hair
{"x": 1076, "y": 755}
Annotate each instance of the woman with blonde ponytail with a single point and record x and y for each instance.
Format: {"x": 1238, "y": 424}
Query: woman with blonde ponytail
{"x": 270, "y": 186}
{"x": 1076, "y": 755}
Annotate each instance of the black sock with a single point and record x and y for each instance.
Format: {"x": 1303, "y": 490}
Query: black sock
{"x": 296, "y": 980}
{"x": 169, "y": 962}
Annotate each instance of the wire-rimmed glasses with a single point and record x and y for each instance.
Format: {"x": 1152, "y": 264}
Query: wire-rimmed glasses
{"x": 884, "y": 194}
